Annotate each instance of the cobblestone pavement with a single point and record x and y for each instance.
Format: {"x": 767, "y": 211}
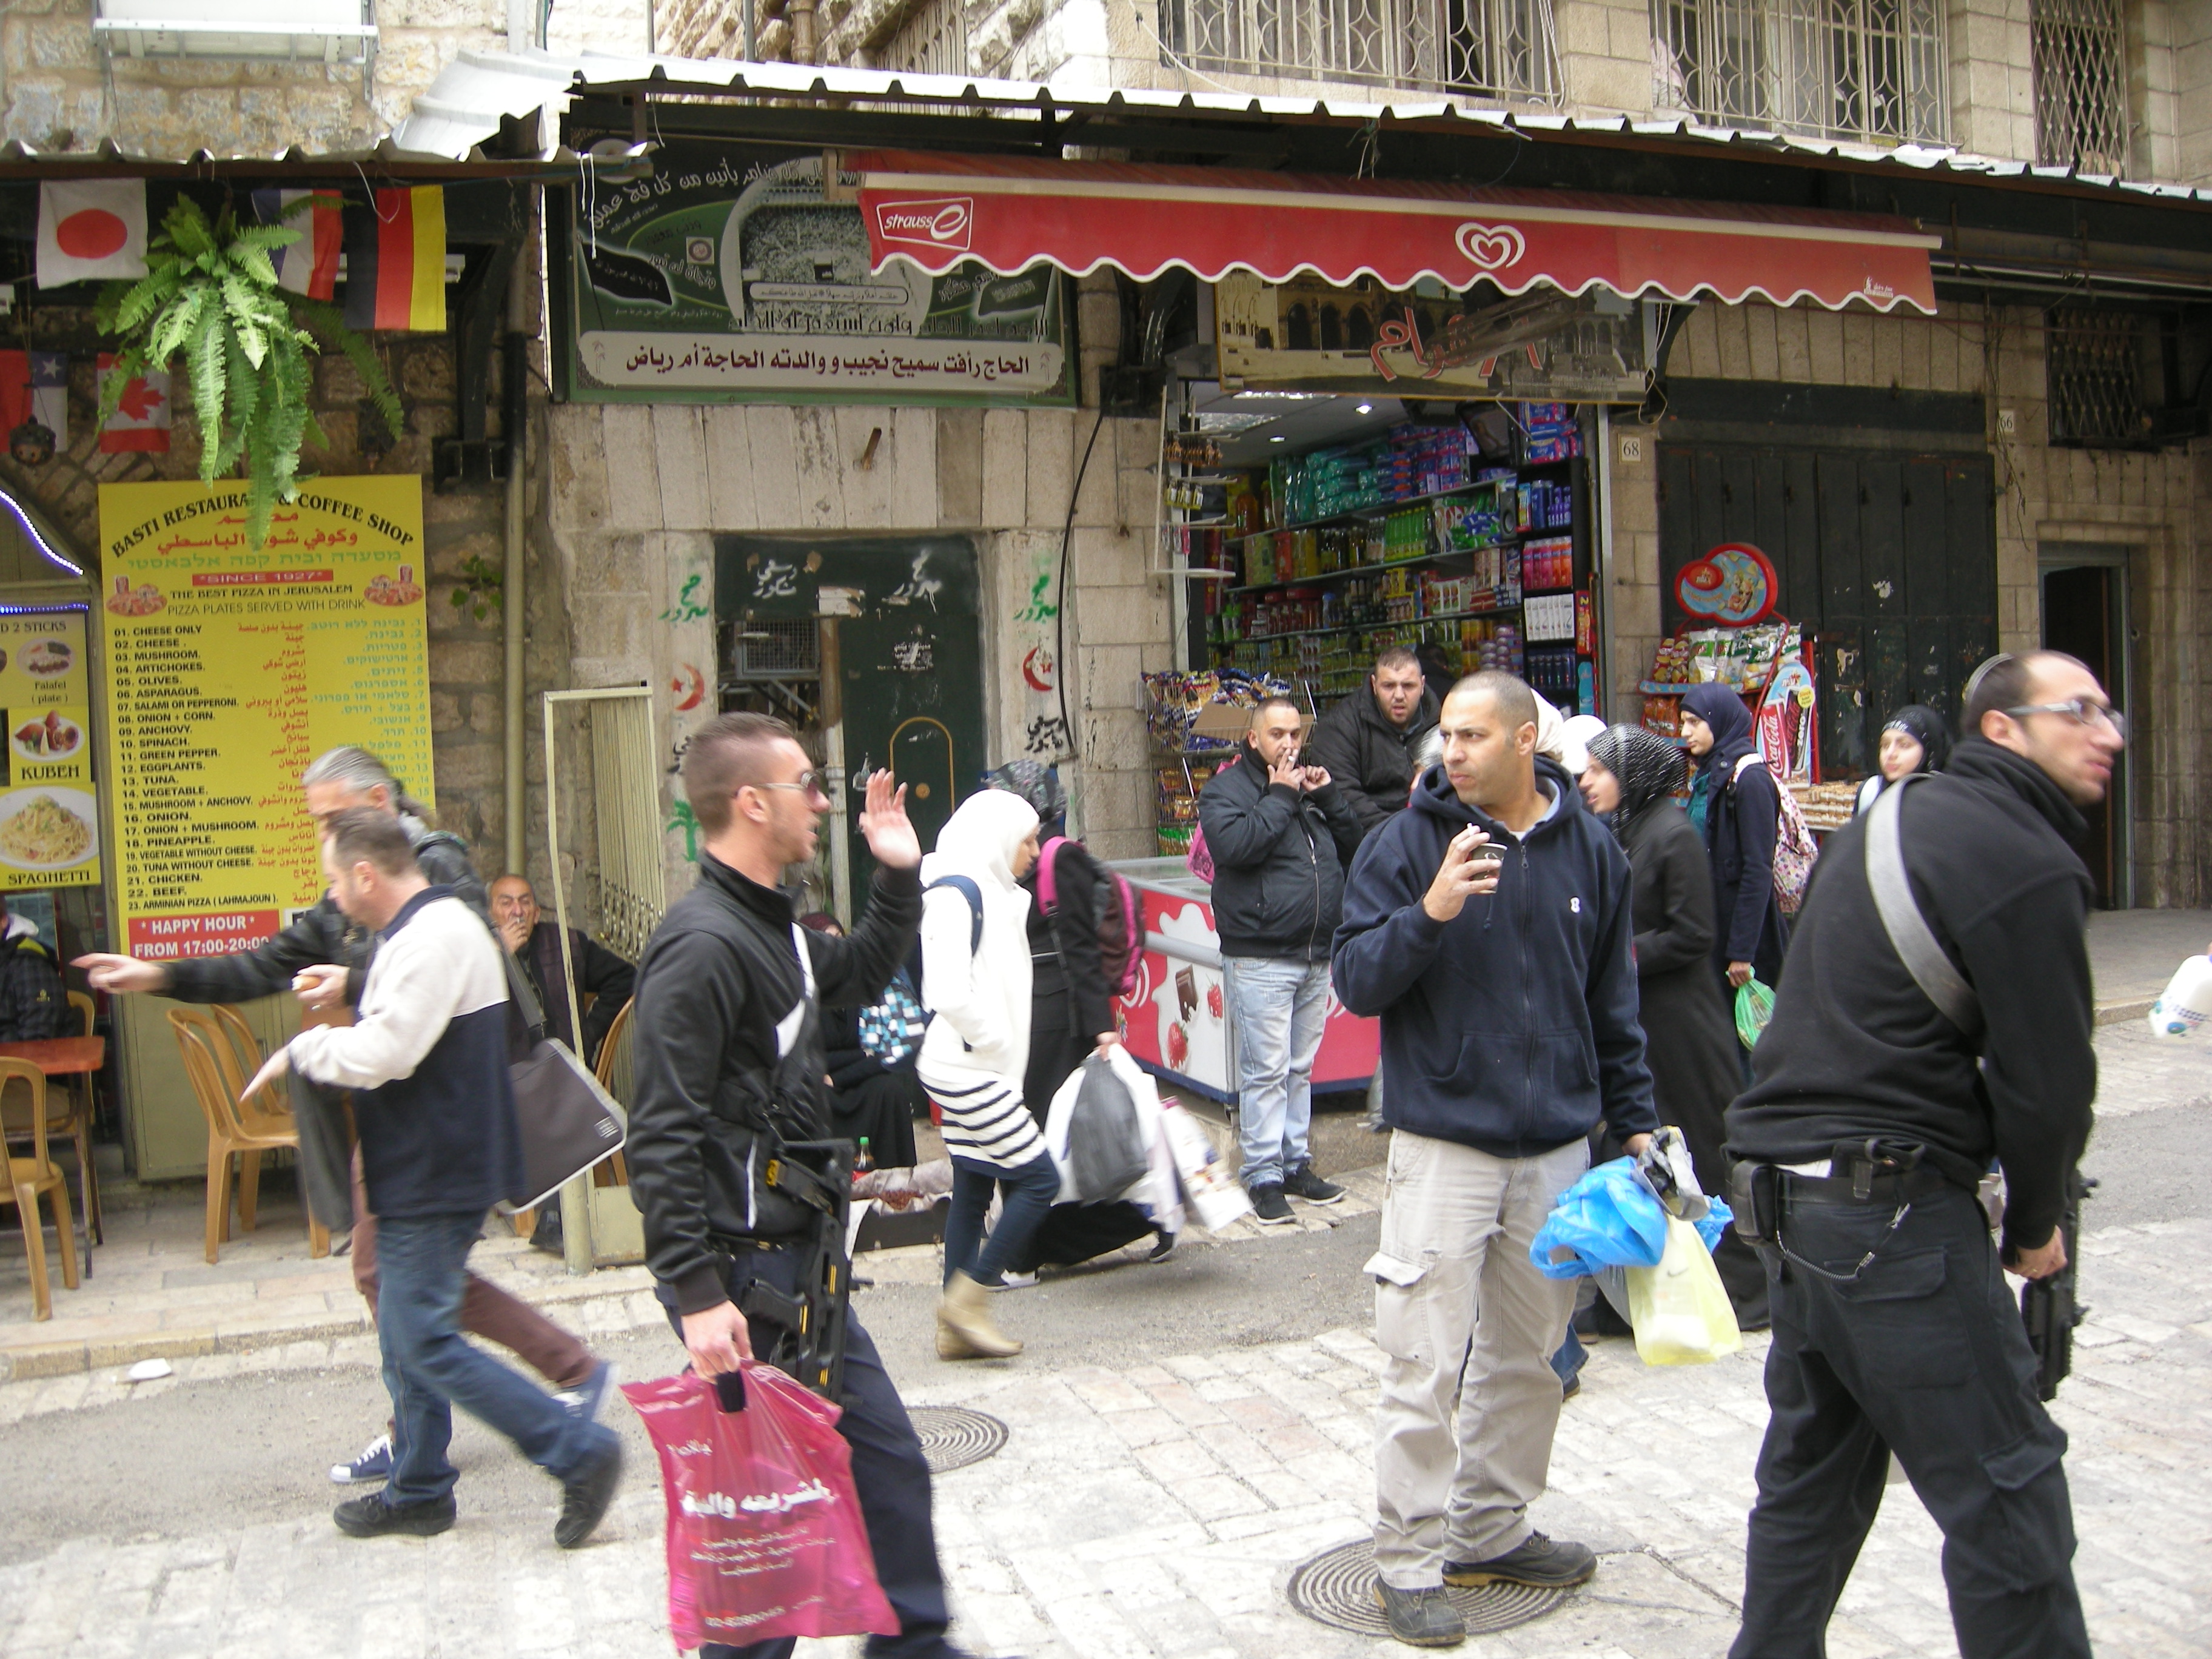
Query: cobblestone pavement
{"x": 1154, "y": 1510}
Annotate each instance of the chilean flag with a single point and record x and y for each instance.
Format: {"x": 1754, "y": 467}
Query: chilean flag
{"x": 34, "y": 386}
{"x": 310, "y": 265}
{"x": 91, "y": 230}
{"x": 141, "y": 421}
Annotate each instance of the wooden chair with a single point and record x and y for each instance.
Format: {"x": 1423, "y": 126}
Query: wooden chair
{"x": 69, "y": 1117}
{"x": 245, "y": 1128}
{"x": 27, "y": 1177}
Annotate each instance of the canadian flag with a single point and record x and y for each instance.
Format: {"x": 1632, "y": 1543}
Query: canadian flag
{"x": 91, "y": 230}
{"x": 141, "y": 421}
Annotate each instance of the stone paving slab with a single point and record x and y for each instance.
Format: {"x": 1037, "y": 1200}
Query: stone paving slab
{"x": 1155, "y": 1511}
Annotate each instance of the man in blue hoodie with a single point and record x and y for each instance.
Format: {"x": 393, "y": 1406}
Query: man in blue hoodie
{"x": 1490, "y": 929}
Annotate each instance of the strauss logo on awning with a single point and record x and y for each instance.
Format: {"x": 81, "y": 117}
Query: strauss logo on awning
{"x": 944, "y": 223}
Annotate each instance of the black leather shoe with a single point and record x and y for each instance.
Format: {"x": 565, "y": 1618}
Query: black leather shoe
{"x": 1304, "y": 1183}
{"x": 372, "y": 1517}
{"x": 1539, "y": 1561}
{"x": 1269, "y": 1208}
{"x": 1421, "y": 1618}
{"x": 586, "y": 1494}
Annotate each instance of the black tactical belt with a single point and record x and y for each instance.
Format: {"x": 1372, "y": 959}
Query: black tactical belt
{"x": 1862, "y": 1185}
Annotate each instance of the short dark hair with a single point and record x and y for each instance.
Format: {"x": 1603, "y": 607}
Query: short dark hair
{"x": 724, "y": 755}
{"x": 1397, "y": 656}
{"x": 1509, "y": 692}
{"x": 1277, "y": 700}
{"x": 2003, "y": 682}
{"x": 362, "y": 835}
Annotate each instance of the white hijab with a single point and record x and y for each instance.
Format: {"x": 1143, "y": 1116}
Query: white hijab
{"x": 983, "y": 999}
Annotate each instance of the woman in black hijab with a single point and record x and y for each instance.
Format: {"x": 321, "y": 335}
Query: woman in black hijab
{"x": 1689, "y": 1042}
{"x": 1916, "y": 739}
{"x": 1734, "y": 803}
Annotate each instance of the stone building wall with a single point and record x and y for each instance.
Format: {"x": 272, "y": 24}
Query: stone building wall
{"x": 2153, "y": 503}
{"x": 60, "y": 92}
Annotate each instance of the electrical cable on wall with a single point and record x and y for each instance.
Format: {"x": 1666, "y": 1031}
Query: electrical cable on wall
{"x": 1059, "y": 623}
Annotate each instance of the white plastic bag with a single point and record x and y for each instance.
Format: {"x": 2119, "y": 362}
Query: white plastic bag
{"x": 1215, "y": 1194}
{"x": 1156, "y": 1193}
{"x": 1680, "y": 1308}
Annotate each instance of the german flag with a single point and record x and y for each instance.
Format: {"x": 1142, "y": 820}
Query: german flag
{"x": 395, "y": 246}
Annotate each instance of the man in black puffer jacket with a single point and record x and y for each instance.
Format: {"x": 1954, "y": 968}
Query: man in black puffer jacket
{"x": 1870, "y": 1120}
{"x": 322, "y": 937}
{"x": 1366, "y": 743}
{"x": 1280, "y": 836}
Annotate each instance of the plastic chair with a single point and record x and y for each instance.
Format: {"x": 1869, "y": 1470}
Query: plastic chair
{"x": 27, "y": 1177}
{"x": 69, "y": 1117}
{"x": 243, "y": 1128}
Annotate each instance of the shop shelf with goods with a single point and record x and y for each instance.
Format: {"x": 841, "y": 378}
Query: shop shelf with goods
{"x": 1768, "y": 664}
{"x": 1412, "y": 540}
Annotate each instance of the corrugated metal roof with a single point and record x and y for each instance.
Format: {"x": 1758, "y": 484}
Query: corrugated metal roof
{"x": 463, "y": 106}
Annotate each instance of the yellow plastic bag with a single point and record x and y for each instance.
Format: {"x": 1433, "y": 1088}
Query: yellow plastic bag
{"x": 1680, "y": 1308}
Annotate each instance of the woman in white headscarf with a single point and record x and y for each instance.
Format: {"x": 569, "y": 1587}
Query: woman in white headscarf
{"x": 975, "y": 979}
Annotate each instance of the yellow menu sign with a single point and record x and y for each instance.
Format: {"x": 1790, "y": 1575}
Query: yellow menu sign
{"x": 49, "y": 825}
{"x": 231, "y": 667}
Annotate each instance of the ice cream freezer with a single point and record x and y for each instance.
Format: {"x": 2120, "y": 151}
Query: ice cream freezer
{"x": 1176, "y": 1019}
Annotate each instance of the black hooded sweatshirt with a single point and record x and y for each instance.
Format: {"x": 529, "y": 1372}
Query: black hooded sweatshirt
{"x": 1856, "y": 1050}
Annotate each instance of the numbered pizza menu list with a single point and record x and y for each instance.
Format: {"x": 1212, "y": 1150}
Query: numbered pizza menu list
{"x": 230, "y": 669}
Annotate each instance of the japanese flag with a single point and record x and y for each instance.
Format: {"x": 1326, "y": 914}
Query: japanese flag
{"x": 141, "y": 421}
{"x": 91, "y": 230}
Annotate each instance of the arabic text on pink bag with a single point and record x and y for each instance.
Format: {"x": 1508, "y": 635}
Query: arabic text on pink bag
{"x": 765, "y": 1537}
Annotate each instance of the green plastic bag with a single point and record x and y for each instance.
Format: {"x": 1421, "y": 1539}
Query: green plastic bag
{"x": 1754, "y": 1006}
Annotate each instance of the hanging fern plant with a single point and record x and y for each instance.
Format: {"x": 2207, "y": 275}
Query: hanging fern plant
{"x": 210, "y": 296}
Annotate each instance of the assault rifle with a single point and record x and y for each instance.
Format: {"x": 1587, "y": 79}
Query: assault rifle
{"x": 2048, "y": 1307}
{"x": 809, "y": 1327}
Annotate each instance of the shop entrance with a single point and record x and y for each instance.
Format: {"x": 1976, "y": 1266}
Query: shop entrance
{"x": 1886, "y": 559}
{"x": 874, "y": 649}
{"x": 2085, "y": 614}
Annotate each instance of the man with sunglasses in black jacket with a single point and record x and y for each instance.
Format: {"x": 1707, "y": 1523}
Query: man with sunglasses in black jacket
{"x": 1872, "y": 1116}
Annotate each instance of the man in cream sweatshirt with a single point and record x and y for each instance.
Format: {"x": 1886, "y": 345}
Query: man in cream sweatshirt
{"x": 427, "y": 1059}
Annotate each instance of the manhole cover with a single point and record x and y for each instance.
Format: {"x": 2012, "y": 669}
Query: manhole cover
{"x": 1337, "y": 1588}
{"x": 952, "y": 1437}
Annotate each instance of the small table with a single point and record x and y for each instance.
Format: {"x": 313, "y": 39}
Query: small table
{"x": 64, "y": 1057}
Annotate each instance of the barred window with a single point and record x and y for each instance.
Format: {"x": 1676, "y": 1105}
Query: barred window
{"x": 2096, "y": 365}
{"x": 1872, "y": 70}
{"x": 2080, "y": 84}
{"x": 1505, "y": 49}
{"x": 932, "y": 40}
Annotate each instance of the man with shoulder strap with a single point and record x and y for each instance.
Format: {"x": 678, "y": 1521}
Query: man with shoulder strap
{"x": 1934, "y": 1014}
{"x": 726, "y": 1050}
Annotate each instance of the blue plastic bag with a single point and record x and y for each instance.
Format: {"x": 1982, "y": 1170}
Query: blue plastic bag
{"x": 1711, "y": 1224}
{"x": 1609, "y": 1218}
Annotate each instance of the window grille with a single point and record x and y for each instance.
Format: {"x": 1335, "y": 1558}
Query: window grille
{"x": 2093, "y": 365}
{"x": 933, "y": 40}
{"x": 2080, "y": 84}
{"x": 1505, "y": 49}
{"x": 1870, "y": 71}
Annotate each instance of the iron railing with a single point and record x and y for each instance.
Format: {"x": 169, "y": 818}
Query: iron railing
{"x": 1506, "y": 50}
{"x": 932, "y": 40}
{"x": 1876, "y": 72}
{"x": 2080, "y": 84}
{"x": 2093, "y": 368}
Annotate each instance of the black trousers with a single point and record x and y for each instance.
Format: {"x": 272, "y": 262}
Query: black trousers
{"x": 888, "y": 1473}
{"x": 1921, "y": 1354}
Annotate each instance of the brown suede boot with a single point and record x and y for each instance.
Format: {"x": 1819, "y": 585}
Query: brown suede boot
{"x": 964, "y": 1330}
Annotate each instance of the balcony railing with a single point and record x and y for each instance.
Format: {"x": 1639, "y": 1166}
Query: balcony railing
{"x": 1870, "y": 71}
{"x": 1504, "y": 50}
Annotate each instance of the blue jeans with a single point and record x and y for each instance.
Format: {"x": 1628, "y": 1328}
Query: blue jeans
{"x": 1030, "y": 1191}
{"x": 422, "y": 1273}
{"x": 1279, "y": 1007}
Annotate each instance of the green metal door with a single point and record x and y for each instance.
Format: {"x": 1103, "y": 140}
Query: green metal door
{"x": 909, "y": 657}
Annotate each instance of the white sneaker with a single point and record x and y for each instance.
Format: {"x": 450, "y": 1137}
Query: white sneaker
{"x": 1011, "y": 1280}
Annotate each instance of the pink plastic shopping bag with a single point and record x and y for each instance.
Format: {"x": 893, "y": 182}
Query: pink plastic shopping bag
{"x": 765, "y": 1537}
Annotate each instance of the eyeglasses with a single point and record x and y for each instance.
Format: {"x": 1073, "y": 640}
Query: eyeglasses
{"x": 809, "y": 783}
{"x": 2080, "y": 712}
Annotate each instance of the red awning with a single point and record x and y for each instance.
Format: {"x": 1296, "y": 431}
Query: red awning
{"x": 1011, "y": 213}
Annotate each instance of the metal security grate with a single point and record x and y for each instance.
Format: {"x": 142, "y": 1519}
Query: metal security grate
{"x": 933, "y": 40}
{"x": 775, "y": 647}
{"x": 1500, "y": 49}
{"x": 2080, "y": 84}
{"x": 2094, "y": 364}
{"x": 1872, "y": 70}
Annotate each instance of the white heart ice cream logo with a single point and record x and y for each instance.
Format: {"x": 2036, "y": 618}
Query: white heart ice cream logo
{"x": 1490, "y": 248}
